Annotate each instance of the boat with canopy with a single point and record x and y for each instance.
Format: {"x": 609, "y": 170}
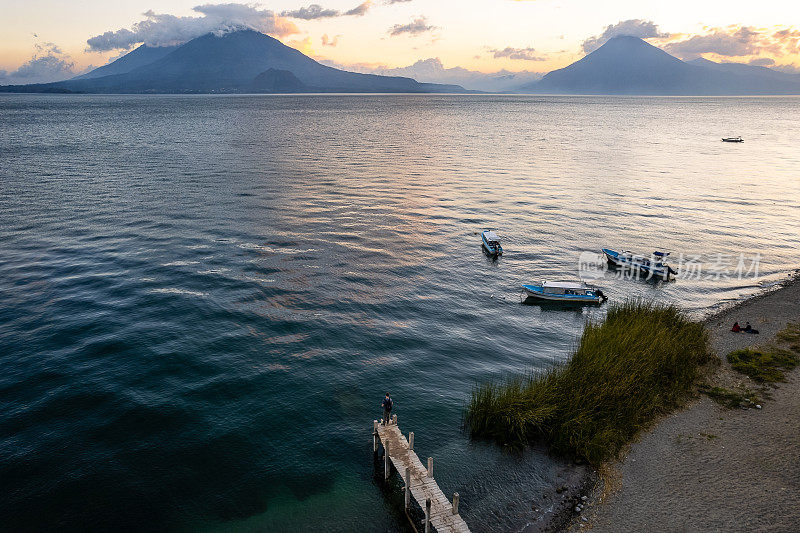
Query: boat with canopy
{"x": 491, "y": 243}
{"x": 565, "y": 291}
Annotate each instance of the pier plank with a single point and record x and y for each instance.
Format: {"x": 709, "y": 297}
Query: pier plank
{"x": 421, "y": 486}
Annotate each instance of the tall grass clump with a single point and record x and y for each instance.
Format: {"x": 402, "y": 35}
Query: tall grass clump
{"x": 627, "y": 370}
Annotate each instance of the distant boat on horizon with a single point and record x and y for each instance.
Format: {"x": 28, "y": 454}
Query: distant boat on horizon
{"x": 732, "y": 140}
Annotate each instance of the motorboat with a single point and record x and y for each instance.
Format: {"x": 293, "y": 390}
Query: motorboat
{"x": 653, "y": 266}
{"x": 491, "y": 242}
{"x": 565, "y": 291}
{"x": 732, "y": 140}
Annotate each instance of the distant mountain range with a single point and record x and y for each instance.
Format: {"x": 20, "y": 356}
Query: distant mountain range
{"x": 234, "y": 62}
{"x": 432, "y": 70}
{"x": 629, "y": 65}
{"x": 247, "y": 61}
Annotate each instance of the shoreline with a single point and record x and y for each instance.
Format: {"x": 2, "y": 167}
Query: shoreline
{"x": 731, "y": 306}
{"x": 588, "y": 486}
{"x": 705, "y": 466}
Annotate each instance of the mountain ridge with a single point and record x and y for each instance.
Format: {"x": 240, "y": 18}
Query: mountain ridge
{"x": 744, "y": 68}
{"x": 140, "y": 56}
{"x": 227, "y": 63}
{"x": 245, "y": 60}
{"x": 627, "y": 65}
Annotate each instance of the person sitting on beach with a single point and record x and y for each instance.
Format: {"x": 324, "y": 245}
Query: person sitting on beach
{"x": 749, "y": 329}
{"x": 387, "y": 409}
{"x": 736, "y": 328}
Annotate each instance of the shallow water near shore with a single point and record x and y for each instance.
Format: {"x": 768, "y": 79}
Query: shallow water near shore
{"x": 204, "y": 298}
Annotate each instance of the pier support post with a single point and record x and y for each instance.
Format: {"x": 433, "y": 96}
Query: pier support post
{"x": 430, "y": 466}
{"x": 374, "y": 436}
{"x": 411, "y": 441}
{"x": 386, "y": 463}
{"x": 428, "y": 515}
{"x": 455, "y": 503}
{"x": 408, "y": 488}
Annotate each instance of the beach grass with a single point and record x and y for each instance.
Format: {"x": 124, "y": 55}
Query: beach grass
{"x": 639, "y": 363}
{"x": 728, "y": 397}
{"x": 769, "y": 363}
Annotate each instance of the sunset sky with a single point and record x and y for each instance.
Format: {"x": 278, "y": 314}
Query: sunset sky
{"x": 484, "y": 35}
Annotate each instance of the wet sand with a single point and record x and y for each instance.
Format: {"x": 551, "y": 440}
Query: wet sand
{"x": 707, "y": 468}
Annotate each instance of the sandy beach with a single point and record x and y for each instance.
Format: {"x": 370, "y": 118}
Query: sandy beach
{"x": 708, "y": 468}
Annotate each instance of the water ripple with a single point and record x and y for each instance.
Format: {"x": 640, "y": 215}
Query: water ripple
{"x": 204, "y": 298}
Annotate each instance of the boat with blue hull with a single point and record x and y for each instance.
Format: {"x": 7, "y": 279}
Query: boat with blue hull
{"x": 654, "y": 266}
{"x": 491, "y": 243}
{"x": 573, "y": 292}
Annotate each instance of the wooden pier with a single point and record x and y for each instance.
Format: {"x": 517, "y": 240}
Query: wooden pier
{"x": 419, "y": 481}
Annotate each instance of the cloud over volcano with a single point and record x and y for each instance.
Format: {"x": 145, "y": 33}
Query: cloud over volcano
{"x": 159, "y": 29}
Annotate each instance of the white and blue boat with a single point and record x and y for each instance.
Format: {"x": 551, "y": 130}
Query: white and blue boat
{"x": 491, "y": 242}
{"x": 565, "y": 291}
{"x": 653, "y": 266}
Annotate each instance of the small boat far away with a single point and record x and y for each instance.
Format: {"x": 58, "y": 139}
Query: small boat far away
{"x": 732, "y": 140}
{"x": 491, "y": 243}
{"x": 655, "y": 266}
{"x": 565, "y": 291}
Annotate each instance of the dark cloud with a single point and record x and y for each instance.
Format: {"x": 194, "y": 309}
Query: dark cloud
{"x": 762, "y": 62}
{"x": 742, "y": 42}
{"x": 525, "y": 54}
{"x": 314, "y": 11}
{"x": 644, "y": 29}
{"x": 415, "y": 27}
{"x": 113, "y": 40}
{"x": 163, "y": 30}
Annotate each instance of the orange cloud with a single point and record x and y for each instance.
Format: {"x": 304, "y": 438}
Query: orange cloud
{"x": 736, "y": 42}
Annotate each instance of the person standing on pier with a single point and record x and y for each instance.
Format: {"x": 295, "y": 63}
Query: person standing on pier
{"x": 387, "y": 409}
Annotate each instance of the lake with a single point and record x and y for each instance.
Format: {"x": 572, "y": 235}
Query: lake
{"x": 203, "y": 299}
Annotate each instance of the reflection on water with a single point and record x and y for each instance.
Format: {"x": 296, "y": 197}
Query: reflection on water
{"x": 205, "y": 298}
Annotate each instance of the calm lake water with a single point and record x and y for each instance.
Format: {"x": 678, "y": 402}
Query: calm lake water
{"x": 203, "y": 299}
